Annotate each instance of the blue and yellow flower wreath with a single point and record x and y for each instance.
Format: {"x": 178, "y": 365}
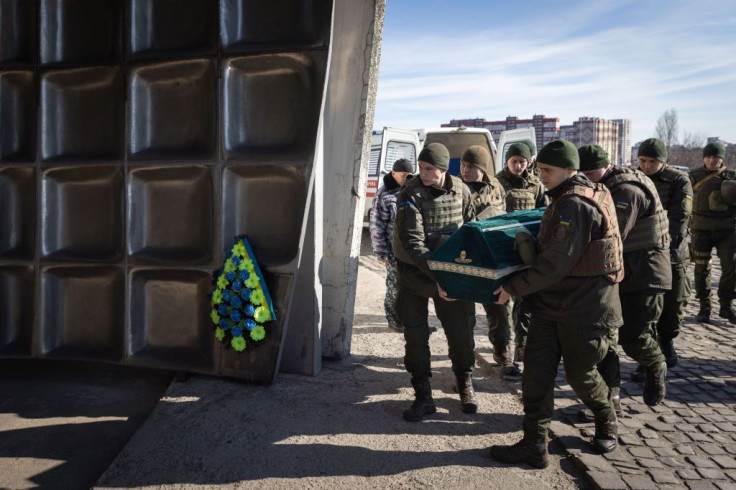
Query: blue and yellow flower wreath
{"x": 241, "y": 305}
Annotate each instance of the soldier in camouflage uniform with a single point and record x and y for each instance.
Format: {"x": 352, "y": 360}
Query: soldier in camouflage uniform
{"x": 489, "y": 201}
{"x": 430, "y": 208}
{"x": 383, "y": 215}
{"x": 713, "y": 224}
{"x": 572, "y": 292}
{"x": 676, "y": 195}
{"x": 644, "y": 231}
{"x": 524, "y": 190}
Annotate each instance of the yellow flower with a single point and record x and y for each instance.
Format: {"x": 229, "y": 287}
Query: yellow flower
{"x": 215, "y": 317}
{"x": 252, "y": 282}
{"x": 247, "y": 264}
{"x": 239, "y": 249}
{"x": 219, "y": 334}
{"x": 229, "y": 266}
{"x": 262, "y": 314}
{"x": 258, "y": 333}
{"x": 217, "y": 297}
{"x": 238, "y": 344}
{"x": 256, "y": 297}
{"x": 222, "y": 282}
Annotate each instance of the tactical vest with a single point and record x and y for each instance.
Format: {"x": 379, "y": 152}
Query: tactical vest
{"x": 441, "y": 215}
{"x": 650, "y": 231}
{"x": 602, "y": 257}
{"x": 709, "y": 210}
{"x": 490, "y": 196}
{"x": 517, "y": 197}
{"x": 664, "y": 184}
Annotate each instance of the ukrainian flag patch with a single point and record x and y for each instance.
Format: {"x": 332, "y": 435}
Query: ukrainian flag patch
{"x": 622, "y": 205}
{"x": 565, "y": 221}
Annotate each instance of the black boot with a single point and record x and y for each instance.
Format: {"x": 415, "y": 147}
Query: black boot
{"x": 670, "y": 354}
{"x": 654, "y": 384}
{"x": 532, "y": 453}
{"x": 726, "y": 312}
{"x": 423, "y": 403}
{"x": 605, "y": 439}
{"x": 467, "y": 395}
{"x": 639, "y": 375}
{"x": 703, "y": 315}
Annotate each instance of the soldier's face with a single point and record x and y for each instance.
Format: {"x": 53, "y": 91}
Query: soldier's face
{"x": 517, "y": 164}
{"x": 552, "y": 176}
{"x": 649, "y": 165}
{"x": 596, "y": 175}
{"x": 713, "y": 162}
{"x": 470, "y": 173}
{"x": 431, "y": 175}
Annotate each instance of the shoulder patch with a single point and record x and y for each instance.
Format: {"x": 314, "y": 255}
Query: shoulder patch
{"x": 561, "y": 231}
{"x": 622, "y": 205}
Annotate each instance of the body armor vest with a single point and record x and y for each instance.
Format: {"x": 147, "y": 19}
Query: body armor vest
{"x": 518, "y": 197}
{"x": 489, "y": 196}
{"x": 602, "y": 257}
{"x": 664, "y": 184}
{"x": 709, "y": 209}
{"x": 650, "y": 231}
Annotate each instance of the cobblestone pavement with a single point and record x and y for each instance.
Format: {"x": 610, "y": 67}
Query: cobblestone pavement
{"x": 689, "y": 441}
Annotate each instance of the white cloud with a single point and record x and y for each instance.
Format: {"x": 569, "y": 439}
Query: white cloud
{"x": 682, "y": 58}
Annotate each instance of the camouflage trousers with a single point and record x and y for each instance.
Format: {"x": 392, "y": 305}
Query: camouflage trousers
{"x": 392, "y": 288}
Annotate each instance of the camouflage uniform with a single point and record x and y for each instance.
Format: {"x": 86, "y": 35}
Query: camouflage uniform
{"x": 523, "y": 191}
{"x": 676, "y": 196}
{"x": 383, "y": 215}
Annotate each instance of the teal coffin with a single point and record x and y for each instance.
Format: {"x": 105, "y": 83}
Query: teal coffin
{"x": 474, "y": 261}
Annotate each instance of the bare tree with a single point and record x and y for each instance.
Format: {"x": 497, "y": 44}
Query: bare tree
{"x": 690, "y": 151}
{"x": 667, "y": 128}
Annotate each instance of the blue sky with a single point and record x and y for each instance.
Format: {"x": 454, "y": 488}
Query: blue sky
{"x": 442, "y": 60}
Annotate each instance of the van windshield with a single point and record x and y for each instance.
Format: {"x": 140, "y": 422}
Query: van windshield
{"x": 457, "y": 143}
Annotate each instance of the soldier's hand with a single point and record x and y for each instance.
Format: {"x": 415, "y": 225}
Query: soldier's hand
{"x": 443, "y": 294}
{"x": 503, "y": 296}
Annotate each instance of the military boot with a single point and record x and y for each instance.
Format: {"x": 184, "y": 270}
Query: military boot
{"x": 654, "y": 384}
{"x": 532, "y": 453}
{"x": 423, "y": 402}
{"x": 670, "y": 354}
{"x": 726, "y": 312}
{"x": 467, "y": 395}
{"x": 703, "y": 315}
{"x": 605, "y": 439}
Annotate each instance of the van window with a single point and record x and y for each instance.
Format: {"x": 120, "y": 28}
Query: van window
{"x": 373, "y": 164}
{"x": 396, "y": 150}
{"x": 457, "y": 143}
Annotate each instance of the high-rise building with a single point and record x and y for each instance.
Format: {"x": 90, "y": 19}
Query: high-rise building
{"x": 546, "y": 129}
{"x": 594, "y": 131}
{"x": 624, "y": 141}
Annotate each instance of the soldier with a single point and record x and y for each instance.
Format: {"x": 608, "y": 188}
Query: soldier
{"x": 383, "y": 215}
{"x": 430, "y": 208}
{"x": 712, "y": 225}
{"x": 676, "y": 195}
{"x": 647, "y": 272}
{"x": 524, "y": 190}
{"x": 489, "y": 199}
{"x": 573, "y": 296}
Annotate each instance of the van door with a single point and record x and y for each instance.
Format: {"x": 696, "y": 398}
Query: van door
{"x": 457, "y": 140}
{"x": 388, "y": 145}
{"x": 507, "y": 139}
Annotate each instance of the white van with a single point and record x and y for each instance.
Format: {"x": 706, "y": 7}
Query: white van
{"x": 390, "y": 144}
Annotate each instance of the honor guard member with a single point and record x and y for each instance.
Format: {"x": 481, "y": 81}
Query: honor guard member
{"x": 647, "y": 273}
{"x": 533, "y": 156}
{"x": 383, "y": 215}
{"x": 524, "y": 190}
{"x": 676, "y": 196}
{"x": 713, "y": 225}
{"x": 572, "y": 292}
{"x": 429, "y": 209}
{"x": 489, "y": 200}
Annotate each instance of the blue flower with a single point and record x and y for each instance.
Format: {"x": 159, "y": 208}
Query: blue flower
{"x": 237, "y": 285}
{"x": 224, "y": 324}
{"x": 236, "y": 302}
{"x": 230, "y": 276}
{"x": 244, "y": 275}
{"x": 249, "y": 310}
{"x": 226, "y": 295}
{"x": 250, "y": 324}
{"x": 235, "y": 316}
{"x": 237, "y": 332}
{"x": 245, "y": 294}
{"x": 236, "y": 260}
{"x": 222, "y": 310}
